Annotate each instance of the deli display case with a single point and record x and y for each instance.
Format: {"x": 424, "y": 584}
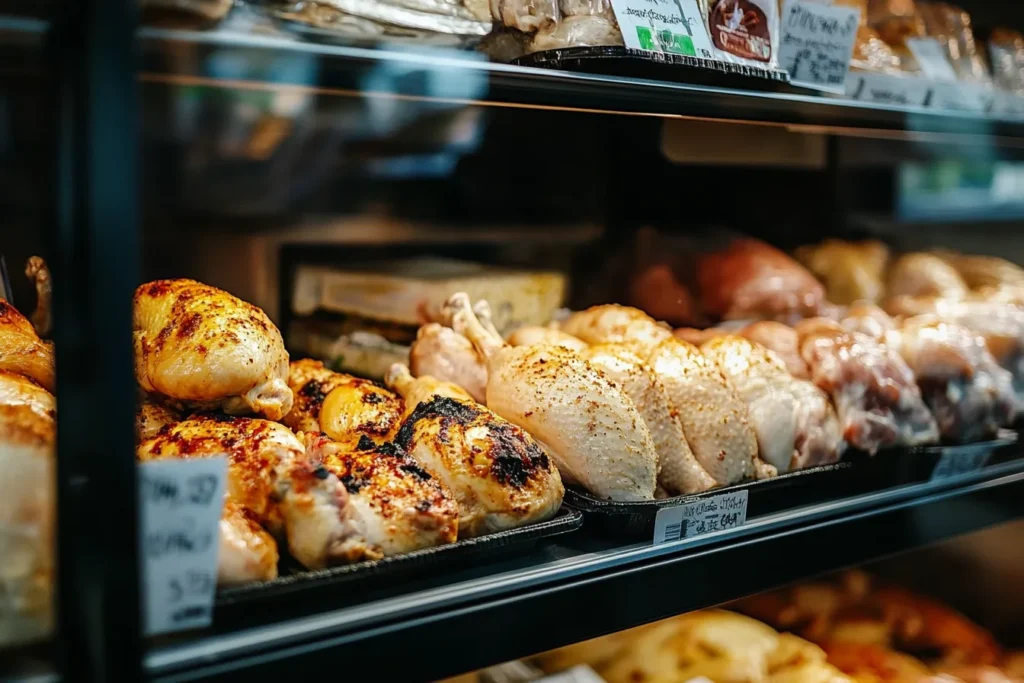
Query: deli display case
{"x": 348, "y": 331}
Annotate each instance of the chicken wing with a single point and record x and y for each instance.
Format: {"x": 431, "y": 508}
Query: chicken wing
{"x": 257, "y": 450}
{"x": 443, "y": 353}
{"x": 345, "y": 504}
{"x": 531, "y": 334}
{"x": 19, "y": 390}
{"x": 793, "y": 419}
{"x": 344, "y": 407}
{"x": 27, "y": 523}
{"x": 500, "y": 476}
{"x": 851, "y": 271}
{"x": 875, "y": 393}
{"x": 417, "y": 390}
{"x": 588, "y": 425}
{"x": 751, "y": 279}
{"x": 22, "y": 351}
{"x": 204, "y": 348}
{"x": 678, "y": 469}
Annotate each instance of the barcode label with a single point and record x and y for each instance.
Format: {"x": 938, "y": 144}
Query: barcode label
{"x": 957, "y": 463}
{"x": 699, "y": 517}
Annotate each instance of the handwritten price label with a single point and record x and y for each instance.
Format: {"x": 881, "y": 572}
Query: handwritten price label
{"x": 180, "y": 502}
{"x": 704, "y": 516}
{"x": 817, "y": 44}
{"x": 665, "y": 26}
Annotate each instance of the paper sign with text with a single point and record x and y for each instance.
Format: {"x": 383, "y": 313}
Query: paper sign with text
{"x": 886, "y": 89}
{"x": 180, "y": 504}
{"x": 932, "y": 59}
{"x": 669, "y": 26}
{"x": 817, "y": 44}
{"x": 704, "y": 516}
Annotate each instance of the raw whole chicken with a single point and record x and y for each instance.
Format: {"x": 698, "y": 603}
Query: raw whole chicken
{"x": 922, "y": 274}
{"x": 794, "y": 421}
{"x": 343, "y": 407}
{"x": 658, "y": 291}
{"x": 256, "y": 451}
{"x": 500, "y": 476}
{"x": 714, "y": 417}
{"x": 203, "y": 348}
{"x": 875, "y": 394}
{"x": 345, "y": 504}
{"x": 751, "y": 279}
{"x": 444, "y": 354}
{"x": 530, "y": 334}
{"x": 17, "y": 389}
{"x": 783, "y": 341}
{"x": 678, "y": 469}
{"x": 27, "y": 523}
{"x": 969, "y": 394}
{"x": 851, "y": 271}
{"x": 588, "y": 425}
{"x": 22, "y": 351}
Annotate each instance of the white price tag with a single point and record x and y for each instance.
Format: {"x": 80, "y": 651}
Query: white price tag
{"x": 931, "y": 58}
{"x": 715, "y": 513}
{"x": 885, "y": 89}
{"x": 957, "y": 463}
{"x": 963, "y": 97}
{"x": 817, "y": 44}
{"x": 669, "y": 26}
{"x": 180, "y": 503}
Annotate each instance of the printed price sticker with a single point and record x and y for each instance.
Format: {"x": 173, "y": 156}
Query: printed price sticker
{"x": 817, "y": 44}
{"x": 668, "y": 26}
{"x": 704, "y": 516}
{"x": 956, "y": 463}
{"x": 180, "y": 506}
{"x": 931, "y": 58}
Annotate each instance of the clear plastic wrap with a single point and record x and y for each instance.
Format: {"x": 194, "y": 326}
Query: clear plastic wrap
{"x": 578, "y": 30}
{"x": 951, "y": 26}
{"x": 744, "y": 31}
{"x": 527, "y": 16}
{"x": 1006, "y": 50}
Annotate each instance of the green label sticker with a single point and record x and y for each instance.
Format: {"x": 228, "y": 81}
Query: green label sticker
{"x": 646, "y": 38}
{"x": 665, "y": 41}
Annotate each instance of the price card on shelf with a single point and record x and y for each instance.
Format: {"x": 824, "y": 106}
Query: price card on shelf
{"x": 886, "y": 89}
{"x": 180, "y": 503}
{"x": 669, "y": 26}
{"x": 704, "y": 516}
{"x": 817, "y": 44}
{"x": 932, "y": 59}
{"x": 957, "y": 462}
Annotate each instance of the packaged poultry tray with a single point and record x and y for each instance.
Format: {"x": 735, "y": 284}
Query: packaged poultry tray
{"x": 857, "y": 474}
{"x": 239, "y": 601}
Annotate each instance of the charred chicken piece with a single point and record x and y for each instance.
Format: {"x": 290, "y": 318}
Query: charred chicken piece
{"x": 22, "y": 351}
{"x": 205, "y": 349}
{"x": 17, "y": 389}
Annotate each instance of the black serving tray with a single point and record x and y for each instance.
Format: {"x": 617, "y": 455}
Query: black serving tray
{"x": 617, "y": 60}
{"x": 295, "y": 580}
{"x": 858, "y": 473}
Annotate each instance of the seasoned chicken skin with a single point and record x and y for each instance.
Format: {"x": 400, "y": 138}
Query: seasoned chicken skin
{"x": 793, "y": 419}
{"x": 204, "y": 348}
{"x": 532, "y": 334}
{"x": 257, "y": 450}
{"x": 587, "y": 424}
{"x": 444, "y": 354}
{"x": 501, "y": 477}
{"x": 782, "y": 340}
{"x": 343, "y": 407}
{"x": 615, "y": 323}
{"x": 151, "y": 417}
{"x": 678, "y": 469}
{"x": 22, "y": 351}
{"x": 874, "y": 391}
{"x": 27, "y": 522}
{"x": 345, "y": 504}
{"x": 19, "y": 390}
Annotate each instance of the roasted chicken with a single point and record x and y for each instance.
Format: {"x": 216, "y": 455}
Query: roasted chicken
{"x": 984, "y": 272}
{"x": 343, "y": 407}
{"x": 17, "y": 389}
{"x": 500, "y": 476}
{"x": 587, "y": 424}
{"x": 258, "y": 451}
{"x": 614, "y": 323}
{"x": 850, "y": 271}
{"x": 796, "y": 425}
{"x": 923, "y": 274}
{"x": 751, "y": 279}
{"x": 22, "y": 351}
{"x": 203, "y": 348}
{"x": 875, "y": 393}
{"x": 345, "y": 503}
{"x": 27, "y": 522}
{"x": 444, "y": 354}
{"x": 151, "y": 417}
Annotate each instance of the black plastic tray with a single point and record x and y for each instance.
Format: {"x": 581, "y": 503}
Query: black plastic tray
{"x": 617, "y": 60}
{"x": 296, "y": 579}
{"x": 858, "y": 473}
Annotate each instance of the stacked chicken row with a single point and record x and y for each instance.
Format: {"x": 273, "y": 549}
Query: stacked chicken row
{"x": 338, "y": 468}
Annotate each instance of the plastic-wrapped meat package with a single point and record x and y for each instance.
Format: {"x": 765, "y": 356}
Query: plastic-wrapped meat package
{"x": 744, "y": 31}
{"x": 967, "y": 391}
{"x": 528, "y": 16}
{"x": 874, "y": 391}
{"x": 951, "y": 26}
{"x": 895, "y": 20}
{"x": 1006, "y": 51}
{"x": 578, "y": 30}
